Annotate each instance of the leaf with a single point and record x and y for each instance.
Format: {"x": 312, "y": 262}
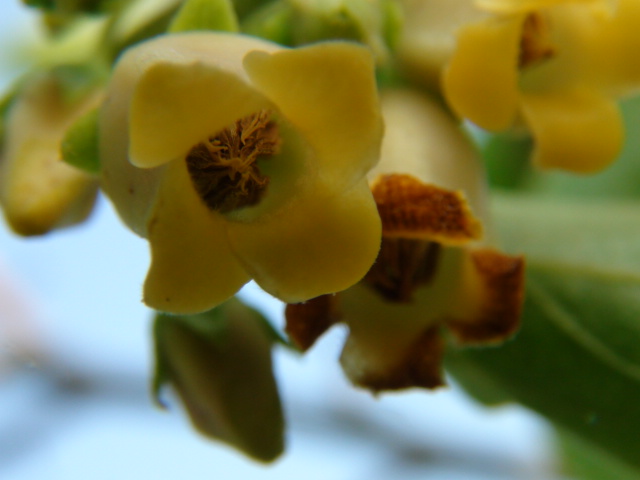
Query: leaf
{"x": 205, "y": 15}
{"x": 576, "y": 359}
{"x": 219, "y": 363}
{"x": 507, "y": 158}
{"x": 585, "y": 462}
{"x": 70, "y": 6}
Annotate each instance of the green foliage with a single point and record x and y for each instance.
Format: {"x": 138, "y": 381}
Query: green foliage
{"x": 274, "y": 22}
{"x": 219, "y": 363}
{"x": 507, "y": 159}
{"x": 71, "y": 6}
{"x": 80, "y": 145}
{"x": 205, "y": 15}
{"x": 585, "y": 462}
{"x": 576, "y": 359}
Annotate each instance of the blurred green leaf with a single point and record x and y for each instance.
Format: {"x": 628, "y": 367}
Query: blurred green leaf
{"x": 507, "y": 158}
{"x": 585, "y": 462}
{"x": 576, "y": 359}
{"x": 80, "y": 144}
{"x": 138, "y": 20}
{"x": 219, "y": 363}
{"x": 205, "y": 15}
{"x": 71, "y": 6}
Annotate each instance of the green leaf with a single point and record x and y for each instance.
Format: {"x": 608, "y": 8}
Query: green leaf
{"x": 219, "y": 363}
{"x": 576, "y": 359}
{"x": 507, "y": 158}
{"x": 138, "y": 20}
{"x": 71, "y": 6}
{"x": 205, "y": 15}
{"x": 80, "y": 144}
{"x": 583, "y": 461}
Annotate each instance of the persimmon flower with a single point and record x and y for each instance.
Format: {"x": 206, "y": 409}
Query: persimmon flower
{"x": 240, "y": 159}
{"x": 559, "y": 65}
{"x": 38, "y": 191}
{"x": 434, "y": 271}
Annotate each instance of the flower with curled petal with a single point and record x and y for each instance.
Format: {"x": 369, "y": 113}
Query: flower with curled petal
{"x": 559, "y": 65}
{"x": 240, "y": 159}
{"x": 434, "y": 271}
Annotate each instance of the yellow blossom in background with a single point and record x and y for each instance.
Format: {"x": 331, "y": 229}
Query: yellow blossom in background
{"x": 241, "y": 159}
{"x": 435, "y": 270}
{"x": 38, "y": 191}
{"x": 559, "y": 66}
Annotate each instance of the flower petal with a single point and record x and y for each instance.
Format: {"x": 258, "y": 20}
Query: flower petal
{"x": 410, "y": 208}
{"x": 321, "y": 242}
{"x": 192, "y": 267}
{"x": 419, "y": 365}
{"x": 610, "y": 46}
{"x": 481, "y": 81}
{"x": 524, "y": 6}
{"x": 579, "y": 130}
{"x": 176, "y": 106}
{"x": 328, "y": 92}
{"x": 498, "y": 281}
{"x": 306, "y": 322}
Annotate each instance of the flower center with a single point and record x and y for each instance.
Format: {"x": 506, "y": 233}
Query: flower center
{"x": 403, "y": 264}
{"x": 535, "y": 43}
{"x": 223, "y": 168}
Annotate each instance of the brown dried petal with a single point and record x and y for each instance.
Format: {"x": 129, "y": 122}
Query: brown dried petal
{"x": 306, "y": 322}
{"x": 420, "y": 367}
{"x": 410, "y": 208}
{"x": 502, "y": 278}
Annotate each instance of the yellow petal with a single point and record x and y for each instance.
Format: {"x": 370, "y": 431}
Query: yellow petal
{"x": 176, "y": 106}
{"x": 579, "y": 130}
{"x": 610, "y": 46}
{"x": 524, "y": 6}
{"x": 481, "y": 81}
{"x": 328, "y": 92}
{"x": 322, "y": 242}
{"x": 192, "y": 267}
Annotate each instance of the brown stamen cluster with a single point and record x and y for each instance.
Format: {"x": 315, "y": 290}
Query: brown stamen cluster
{"x": 223, "y": 168}
{"x": 403, "y": 264}
{"x": 416, "y": 217}
{"x": 535, "y": 43}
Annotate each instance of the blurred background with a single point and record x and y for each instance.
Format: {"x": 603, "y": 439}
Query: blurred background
{"x": 75, "y": 365}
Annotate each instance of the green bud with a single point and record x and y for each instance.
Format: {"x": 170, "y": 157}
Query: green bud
{"x": 374, "y": 23}
{"x": 205, "y": 15}
{"x": 80, "y": 144}
{"x": 219, "y": 363}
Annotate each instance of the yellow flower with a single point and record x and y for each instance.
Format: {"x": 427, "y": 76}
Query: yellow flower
{"x": 434, "y": 269}
{"x": 38, "y": 191}
{"x": 557, "y": 64}
{"x": 241, "y": 159}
